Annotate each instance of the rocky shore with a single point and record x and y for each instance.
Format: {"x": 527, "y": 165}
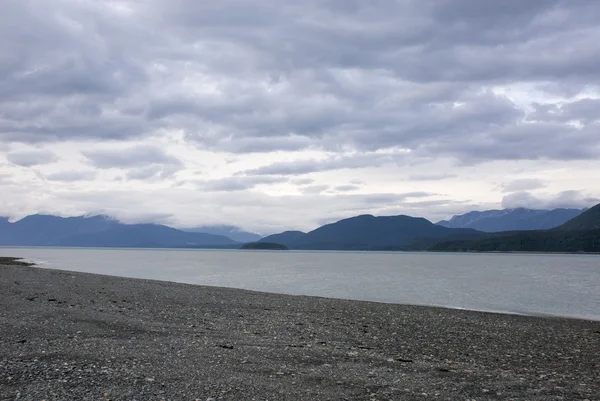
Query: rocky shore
{"x": 75, "y": 336}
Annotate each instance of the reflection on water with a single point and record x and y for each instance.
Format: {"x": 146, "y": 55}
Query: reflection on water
{"x": 565, "y": 285}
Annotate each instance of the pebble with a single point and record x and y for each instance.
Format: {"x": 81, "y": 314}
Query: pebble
{"x": 157, "y": 330}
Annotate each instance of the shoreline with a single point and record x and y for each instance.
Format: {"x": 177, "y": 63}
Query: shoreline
{"x": 6, "y": 260}
{"x": 26, "y": 262}
{"x": 29, "y": 262}
{"x": 575, "y": 253}
{"x": 67, "y": 335}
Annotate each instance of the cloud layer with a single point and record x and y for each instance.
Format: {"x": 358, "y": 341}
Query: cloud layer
{"x": 464, "y": 98}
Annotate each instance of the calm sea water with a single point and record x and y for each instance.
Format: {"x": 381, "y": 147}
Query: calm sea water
{"x": 564, "y": 285}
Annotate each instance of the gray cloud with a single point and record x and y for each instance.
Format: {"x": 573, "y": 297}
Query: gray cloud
{"x": 416, "y": 208}
{"x": 373, "y": 84}
{"x": 584, "y": 111}
{"x": 564, "y": 199}
{"x": 284, "y": 212}
{"x": 135, "y": 156}
{"x": 525, "y": 184}
{"x": 430, "y": 177}
{"x": 352, "y": 161}
{"x": 70, "y": 176}
{"x": 237, "y": 183}
{"x": 286, "y": 76}
{"x": 153, "y": 171}
{"x": 6, "y": 179}
{"x": 29, "y": 158}
{"x": 302, "y": 181}
{"x": 347, "y": 188}
{"x": 134, "y": 217}
{"x": 314, "y": 189}
{"x": 393, "y": 197}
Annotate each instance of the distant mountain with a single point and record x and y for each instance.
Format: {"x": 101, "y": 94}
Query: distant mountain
{"x": 580, "y": 234}
{"x": 235, "y": 233}
{"x": 4, "y": 222}
{"x": 286, "y": 238}
{"x": 145, "y": 235}
{"x": 519, "y": 219}
{"x": 45, "y": 230}
{"x": 588, "y": 220}
{"x": 368, "y": 232}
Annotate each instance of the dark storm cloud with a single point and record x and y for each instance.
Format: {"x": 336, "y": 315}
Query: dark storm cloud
{"x": 28, "y": 158}
{"x": 258, "y": 76}
{"x": 132, "y": 157}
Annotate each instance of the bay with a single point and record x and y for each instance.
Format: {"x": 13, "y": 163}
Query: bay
{"x": 559, "y": 285}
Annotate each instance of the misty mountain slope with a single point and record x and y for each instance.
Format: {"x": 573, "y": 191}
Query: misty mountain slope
{"x": 580, "y": 234}
{"x": 43, "y": 230}
{"x": 145, "y": 235}
{"x": 370, "y": 232}
{"x": 488, "y": 219}
{"x": 519, "y": 219}
{"x": 588, "y": 220}
{"x": 235, "y": 233}
{"x": 4, "y": 222}
{"x": 555, "y": 218}
{"x": 286, "y": 238}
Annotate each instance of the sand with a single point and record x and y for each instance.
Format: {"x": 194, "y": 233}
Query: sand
{"x": 76, "y": 336}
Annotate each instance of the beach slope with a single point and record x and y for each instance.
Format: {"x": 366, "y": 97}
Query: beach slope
{"x": 73, "y": 336}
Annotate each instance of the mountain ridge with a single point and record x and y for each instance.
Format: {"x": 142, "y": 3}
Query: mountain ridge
{"x": 580, "y": 234}
{"x": 363, "y": 232}
{"x": 99, "y": 230}
{"x": 589, "y": 220}
{"x": 368, "y": 232}
{"x": 516, "y": 219}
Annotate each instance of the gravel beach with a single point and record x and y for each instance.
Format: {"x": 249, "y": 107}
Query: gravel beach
{"x": 75, "y": 336}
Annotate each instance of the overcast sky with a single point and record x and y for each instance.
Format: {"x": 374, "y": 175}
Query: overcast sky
{"x": 275, "y": 115}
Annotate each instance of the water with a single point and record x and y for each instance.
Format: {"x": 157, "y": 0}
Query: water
{"x": 563, "y": 285}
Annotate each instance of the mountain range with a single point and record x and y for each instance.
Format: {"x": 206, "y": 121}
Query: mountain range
{"x": 580, "y": 234}
{"x": 367, "y": 232}
{"x": 519, "y": 219}
{"x": 364, "y": 232}
{"x": 101, "y": 231}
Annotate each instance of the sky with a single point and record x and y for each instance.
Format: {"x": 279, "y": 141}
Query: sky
{"x": 274, "y": 115}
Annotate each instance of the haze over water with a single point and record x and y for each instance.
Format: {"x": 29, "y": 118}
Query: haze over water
{"x": 563, "y": 285}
